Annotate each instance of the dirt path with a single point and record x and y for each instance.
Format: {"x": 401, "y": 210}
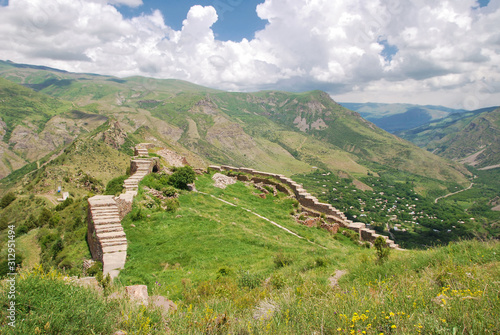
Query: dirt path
{"x": 445, "y": 196}
{"x": 301, "y": 144}
{"x": 334, "y": 280}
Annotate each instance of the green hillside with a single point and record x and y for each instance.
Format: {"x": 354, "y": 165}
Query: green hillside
{"x": 473, "y": 138}
{"x": 275, "y": 131}
{"x": 231, "y": 272}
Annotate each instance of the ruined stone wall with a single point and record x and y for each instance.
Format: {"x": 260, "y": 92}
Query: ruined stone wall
{"x": 307, "y": 201}
{"x": 94, "y": 245}
{"x": 136, "y": 163}
{"x": 105, "y": 236}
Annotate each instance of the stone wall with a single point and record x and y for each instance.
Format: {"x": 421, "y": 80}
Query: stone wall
{"x": 105, "y": 236}
{"x": 307, "y": 201}
{"x": 152, "y": 163}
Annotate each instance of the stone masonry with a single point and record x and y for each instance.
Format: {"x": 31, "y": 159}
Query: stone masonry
{"x": 105, "y": 236}
{"x": 310, "y": 203}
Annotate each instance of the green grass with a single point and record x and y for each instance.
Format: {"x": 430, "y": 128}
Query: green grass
{"x": 230, "y": 272}
{"x": 206, "y": 234}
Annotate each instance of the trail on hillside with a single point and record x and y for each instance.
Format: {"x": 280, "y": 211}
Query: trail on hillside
{"x": 450, "y": 194}
{"x": 264, "y": 218}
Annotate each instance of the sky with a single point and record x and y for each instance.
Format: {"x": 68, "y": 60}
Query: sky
{"x": 405, "y": 51}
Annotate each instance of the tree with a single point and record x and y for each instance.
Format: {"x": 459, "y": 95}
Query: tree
{"x": 7, "y": 199}
{"x": 182, "y": 177}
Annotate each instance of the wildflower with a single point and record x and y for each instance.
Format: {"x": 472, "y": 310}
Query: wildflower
{"x": 393, "y": 327}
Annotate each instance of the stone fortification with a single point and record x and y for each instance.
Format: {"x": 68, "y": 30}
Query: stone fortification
{"x": 106, "y": 238}
{"x": 306, "y": 200}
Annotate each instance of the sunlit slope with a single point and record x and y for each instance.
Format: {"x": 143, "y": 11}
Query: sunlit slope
{"x": 473, "y": 138}
{"x": 272, "y": 131}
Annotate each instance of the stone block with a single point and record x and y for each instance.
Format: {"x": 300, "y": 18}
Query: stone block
{"x": 137, "y": 293}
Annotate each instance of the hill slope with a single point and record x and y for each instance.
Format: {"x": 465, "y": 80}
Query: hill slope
{"x": 473, "y": 138}
{"x": 399, "y": 117}
{"x": 274, "y": 131}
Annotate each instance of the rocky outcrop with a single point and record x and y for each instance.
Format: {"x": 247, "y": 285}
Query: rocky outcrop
{"x": 307, "y": 201}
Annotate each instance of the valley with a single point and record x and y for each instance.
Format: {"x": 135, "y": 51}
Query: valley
{"x": 249, "y": 258}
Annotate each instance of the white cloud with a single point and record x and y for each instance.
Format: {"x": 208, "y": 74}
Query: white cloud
{"x": 448, "y": 52}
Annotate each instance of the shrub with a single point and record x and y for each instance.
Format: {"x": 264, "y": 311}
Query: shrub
{"x": 281, "y": 260}
{"x": 137, "y": 214}
{"x": 21, "y": 230}
{"x": 4, "y": 265}
{"x": 64, "y": 204}
{"x": 171, "y": 204}
{"x": 381, "y": 249}
{"x": 321, "y": 261}
{"x": 54, "y": 220}
{"x": 94, "y": 269}
{"x": 182, "y": 177}
{"x": 223, "y": 271}
{"x": 7, "y": 200}
{"x": 353, "y": 236}
{"x": 268, "y": 188}
{"x": 4, "y": 222}
{"x": 115, "y": 185}
{"x": 169, "y": 191}
{"x": 44, "y": 216}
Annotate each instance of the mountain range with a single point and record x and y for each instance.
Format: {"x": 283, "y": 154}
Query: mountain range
{"x": 270, "y": 130}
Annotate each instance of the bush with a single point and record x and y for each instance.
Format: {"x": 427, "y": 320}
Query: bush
{"x": 94, "y": 269}
{"x": 223, "y": 271}
{"x": 137, "y": 214}
{"x": 353, "y": 236}
{"x": 171, "y": 204}
{"x": 321, "y": 261}
{"x": 54, "y": 220}
{"x": 7, "y": 200}
{"x": 21, "y": 230}
{"x": 44, "y": 217}
{"x": 4, "y": 265}
{"x": 4, "y": 222}
{"x": 281, "y": 260}
{"x": 115, "y": 185}
{"x": 64, "y": 204}
{"x": 169, "y": 191}
{"x": 182, "y": 177}
{"x": 381, "y": 249}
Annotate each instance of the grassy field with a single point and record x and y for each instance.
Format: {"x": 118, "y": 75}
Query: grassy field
{"x": 231, "y": 272}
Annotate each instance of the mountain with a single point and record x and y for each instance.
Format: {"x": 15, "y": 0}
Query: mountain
{"x": 246, "y": 258}
{"x": 399, "y": 117}
{"x": 273, "y": 131}
{"x": 472, "y": 138}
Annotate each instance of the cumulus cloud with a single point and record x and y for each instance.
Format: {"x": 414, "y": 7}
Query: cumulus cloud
{"x": 419, "y": 51}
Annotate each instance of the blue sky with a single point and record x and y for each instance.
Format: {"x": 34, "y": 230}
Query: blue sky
{"x": 237, "y": 19}
{"x": 424, "y": 52}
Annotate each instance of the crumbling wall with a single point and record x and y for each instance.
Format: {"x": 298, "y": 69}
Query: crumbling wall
{"x": 307, "y": 201}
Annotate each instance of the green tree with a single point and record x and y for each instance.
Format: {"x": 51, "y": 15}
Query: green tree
{"x": 182, "y": 177}
{"x": 7, "y": 199}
